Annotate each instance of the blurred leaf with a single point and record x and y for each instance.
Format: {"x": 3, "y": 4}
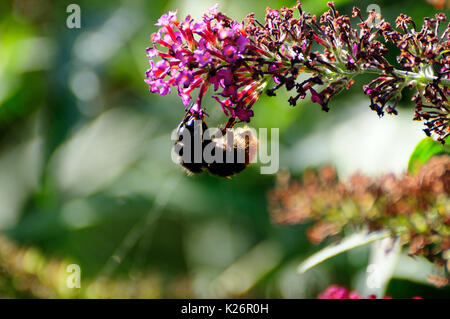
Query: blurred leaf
{"x": 347, "y": 243}
{"x": 426, "y": 149}
{"x": 415, "y": 269}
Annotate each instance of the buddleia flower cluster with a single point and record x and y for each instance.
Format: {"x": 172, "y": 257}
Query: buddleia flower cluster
{"x": 238, "y": 60}
{"x": 412, "y": 208}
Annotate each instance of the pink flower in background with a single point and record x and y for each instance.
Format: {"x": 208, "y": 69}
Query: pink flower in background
{"x": 339, "y": 292}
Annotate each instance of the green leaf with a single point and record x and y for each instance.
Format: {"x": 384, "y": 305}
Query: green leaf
{"x": 415, "y": 269}
{"x": 350, "y": 242}
{"x": 426, "y": 149}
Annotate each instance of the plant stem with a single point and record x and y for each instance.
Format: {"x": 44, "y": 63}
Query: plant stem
{"x": 412, "y": 75}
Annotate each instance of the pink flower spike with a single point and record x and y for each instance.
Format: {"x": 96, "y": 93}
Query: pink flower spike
{"x": 242, "y": 114}
{"x": 158, "y": 86}
{"x": 185, "y": 96}
{"x": 315, "y": 97}
{"x": 195, "y": 108}
{"x": 166, "y": 19}
{"x": 242, "y": 43}
{"x": 184, "y": 79}
{"x": 355, "y": 49}
{"x": 203, "y": 58}
{"x": 230, "y": 53}
{"x": 223, "y": 104}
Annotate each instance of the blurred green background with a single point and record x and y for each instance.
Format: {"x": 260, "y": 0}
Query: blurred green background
{"x": 86, "y": 175}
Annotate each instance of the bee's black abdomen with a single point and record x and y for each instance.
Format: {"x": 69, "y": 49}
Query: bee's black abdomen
{"x": 189, "y": 125}
{"x": 226, "y": 168}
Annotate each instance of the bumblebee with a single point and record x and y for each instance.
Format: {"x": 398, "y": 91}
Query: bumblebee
{"x": 230, "y": 152}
